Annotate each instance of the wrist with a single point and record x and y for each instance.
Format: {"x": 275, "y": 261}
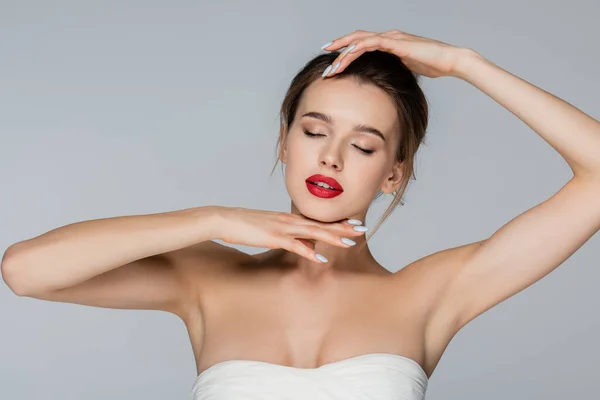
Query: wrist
{"x": 210, "y": 219}
{"x": 466, "y": 60}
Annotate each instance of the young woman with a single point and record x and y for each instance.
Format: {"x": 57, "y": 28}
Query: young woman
{"x": 316, "y": 317}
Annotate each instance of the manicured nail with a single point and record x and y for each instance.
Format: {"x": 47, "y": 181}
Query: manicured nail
{"x": 348, "y": 241}
{"x": 326, "y": 45}
{"x": 320, "y": 258}
{"x": 354, "y": 222}
{"x": 349, "y": 49}
{"x": 335, "y": 67}
{"x": 361, "y": 228}
{"x": 326, "y": 71}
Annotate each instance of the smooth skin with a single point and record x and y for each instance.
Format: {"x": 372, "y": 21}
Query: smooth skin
{"x": 257, "y": 307}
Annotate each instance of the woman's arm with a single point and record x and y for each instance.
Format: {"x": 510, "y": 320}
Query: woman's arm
{"x": 115, "y": 262}
{"x": 571, "y": 132}
{"x": 533, "y": 244}
{"x": 575, "y": 135}
{"x": 536, "y": 242}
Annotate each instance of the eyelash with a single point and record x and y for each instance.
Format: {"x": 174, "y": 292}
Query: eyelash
{"x": 310, "y": 134}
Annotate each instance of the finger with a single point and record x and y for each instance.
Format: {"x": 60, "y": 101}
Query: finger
{"x": 291, "y": 222}
{"x": 324, "y": 235}
{"x": 336, "y": 64}
{"x": 303, "y": 220}
{"x": 298, "y": 247}
{"x": 355, "y": 50}
{"x": 345, "y": 40}
{"x": 345, "y": 229}
{"x": 376, "y": 42}
{"x": 342, "y": 229}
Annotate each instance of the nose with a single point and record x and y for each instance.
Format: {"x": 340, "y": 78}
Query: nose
{"x": 331, "y": 159}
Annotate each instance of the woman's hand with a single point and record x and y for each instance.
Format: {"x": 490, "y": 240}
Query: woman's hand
{"x": 423, "y": 56}
{"x": 274, "y": 230}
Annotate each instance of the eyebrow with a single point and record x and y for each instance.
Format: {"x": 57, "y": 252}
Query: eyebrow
{"x": 357, "y": 128}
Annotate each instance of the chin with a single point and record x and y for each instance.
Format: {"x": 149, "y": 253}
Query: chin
{"x": 318, "y": 211}
{"x": 323, "y": 216}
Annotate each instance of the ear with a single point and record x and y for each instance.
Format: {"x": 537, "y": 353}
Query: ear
{"x": 282, "y": 145}
{"x": 393, "y": 181}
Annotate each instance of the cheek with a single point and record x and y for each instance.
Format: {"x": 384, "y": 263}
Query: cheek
{"x": 298, "y": 155}
{"x": 296, "y": 166}
{"x": 367, "y": 167}
{"x": 370, "y": 177}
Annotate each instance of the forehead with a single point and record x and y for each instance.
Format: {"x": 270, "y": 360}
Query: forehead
{"x": 349, "y": 103}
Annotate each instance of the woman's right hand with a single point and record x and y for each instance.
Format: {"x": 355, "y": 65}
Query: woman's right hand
{"x": 274, "y": 230}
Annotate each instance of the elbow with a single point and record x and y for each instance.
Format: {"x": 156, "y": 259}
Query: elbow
{"x": 12, "y": 271}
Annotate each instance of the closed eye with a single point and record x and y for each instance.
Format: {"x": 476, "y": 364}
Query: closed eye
{"x": 310, "y": 134}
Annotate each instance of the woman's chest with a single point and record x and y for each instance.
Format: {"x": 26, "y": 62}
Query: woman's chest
{"x": 290, "y": 322}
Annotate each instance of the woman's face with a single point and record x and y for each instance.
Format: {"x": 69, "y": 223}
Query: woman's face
{"x": 359, "y": 159}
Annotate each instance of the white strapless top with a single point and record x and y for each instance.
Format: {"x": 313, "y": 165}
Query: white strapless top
{"x": 375, "y": 376}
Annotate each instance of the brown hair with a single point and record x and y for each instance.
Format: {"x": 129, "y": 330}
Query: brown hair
{"x": 387, "y": 72}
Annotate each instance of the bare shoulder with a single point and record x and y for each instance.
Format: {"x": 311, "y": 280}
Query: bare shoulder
{"x": 434, "y": 270}
{"x": 200, "y": 261}
{"x": 432, "y": 274}
{"x": 202, "y": 265}
{"x": 428, "y": 277}
{"x": 206, "y": 249}
{"x": 425, "y": 280}
{"x": 443, "y": 260}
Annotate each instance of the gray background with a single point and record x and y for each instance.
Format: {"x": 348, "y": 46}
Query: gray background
{"x": 118, "y": 108}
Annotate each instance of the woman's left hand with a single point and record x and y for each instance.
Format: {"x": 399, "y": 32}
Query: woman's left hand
{"x": 423, "y": 56}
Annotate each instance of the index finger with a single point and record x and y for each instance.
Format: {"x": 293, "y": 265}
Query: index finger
{"x": 344, "y": 227}
{"x": 345, "y": 40}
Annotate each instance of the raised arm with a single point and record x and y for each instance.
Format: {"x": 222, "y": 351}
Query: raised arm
{"x": 534, "y": 243}
{"x": 530, "y": 246}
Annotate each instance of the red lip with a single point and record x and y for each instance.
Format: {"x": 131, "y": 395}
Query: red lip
{"x": 325, "y": 179}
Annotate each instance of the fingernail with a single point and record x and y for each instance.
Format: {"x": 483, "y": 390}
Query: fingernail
{"x": 354, "y": 222}
{"x": 361, "y": 228}
{"x": 320, "y": 258}
{"x": 326, "y": 45}
{"x": 349, "y": 49}
{"x": 348, "y": 241}
{"x": 335, "y": 67}
{"x": 326, "y": 71}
